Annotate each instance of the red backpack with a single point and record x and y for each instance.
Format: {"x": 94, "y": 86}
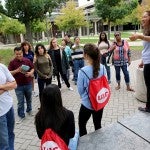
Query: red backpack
{"x": 98, "y": 91}
{"x": 52, "y": 141}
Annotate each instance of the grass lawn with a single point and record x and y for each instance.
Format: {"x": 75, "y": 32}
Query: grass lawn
{"x": 7, "y": 54}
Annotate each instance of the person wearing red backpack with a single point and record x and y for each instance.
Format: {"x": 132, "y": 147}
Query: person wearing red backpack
{"x": 53, "y": 115}
{"x": 93, "y": 69}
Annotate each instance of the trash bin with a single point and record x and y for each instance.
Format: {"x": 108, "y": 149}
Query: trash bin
{"x": 140, "y": 92}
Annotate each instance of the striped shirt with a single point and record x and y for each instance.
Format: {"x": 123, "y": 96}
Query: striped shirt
{"x": 77, "y": 52}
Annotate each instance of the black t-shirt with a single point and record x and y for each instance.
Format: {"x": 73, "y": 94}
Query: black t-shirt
{"x": 57, "y": 58}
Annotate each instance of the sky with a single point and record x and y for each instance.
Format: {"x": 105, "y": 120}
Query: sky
{"x": 3, "y": 2}
{"x": 83, "y": 2}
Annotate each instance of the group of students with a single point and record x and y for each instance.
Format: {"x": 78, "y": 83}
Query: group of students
{"x": 52, "y": 114}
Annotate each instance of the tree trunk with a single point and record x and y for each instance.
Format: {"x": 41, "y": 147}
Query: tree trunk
{"x": 109, "y": 30}
{"x": 28, "y": 33}
{"x": 114, "y": 28}
{"x": 15, "y": 39}
{"x": 135, "y": 28}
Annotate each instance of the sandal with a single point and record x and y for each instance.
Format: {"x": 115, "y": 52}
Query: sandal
{"x": 130, "y": 89}
{"x": 144, "y": 109}
{"x": 117, "y": 88}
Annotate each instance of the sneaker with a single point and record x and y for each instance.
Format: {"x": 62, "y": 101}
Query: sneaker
{"x": 144, "y": 109}
{"x": 20, "y": 120}
{"x": 70, "y": 88}
{"x": 62, "y": 82}
{"x": 35, "y": 94}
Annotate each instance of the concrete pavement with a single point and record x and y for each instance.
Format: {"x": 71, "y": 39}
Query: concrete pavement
{"x": 122, "y": 104}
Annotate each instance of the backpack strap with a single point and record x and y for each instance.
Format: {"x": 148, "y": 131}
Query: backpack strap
{"x": 85, "y": 74}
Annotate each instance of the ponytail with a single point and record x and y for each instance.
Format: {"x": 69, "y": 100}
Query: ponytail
{"x": 93, "y": 52}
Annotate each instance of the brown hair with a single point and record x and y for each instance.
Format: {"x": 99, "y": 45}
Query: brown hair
{"x": 65, "y": 41}
{"x": 51, "y": 45}
{"x": 26, "y": 43}
{"x": 146, "y": 31}
{"x": 92, "y": 51}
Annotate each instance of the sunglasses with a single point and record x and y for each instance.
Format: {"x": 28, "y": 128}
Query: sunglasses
{"x": 117, "y": 35}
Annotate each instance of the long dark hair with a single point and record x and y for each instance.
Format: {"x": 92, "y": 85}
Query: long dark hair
{"x": 92, "y": 51}
{"x": 105, "y": 39}
{"x": 52, "y": 114}
{"x": 36, "y": 49}
{"x": 146, "y": 31}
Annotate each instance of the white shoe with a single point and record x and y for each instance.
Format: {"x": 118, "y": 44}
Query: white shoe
{"x": 70, "y": 88}
{"x": 35, "y": 94}
{"x": 20, "y": 120}
{"x": 60, "y": 89}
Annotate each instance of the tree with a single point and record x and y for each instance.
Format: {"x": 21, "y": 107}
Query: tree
{"x": 37, "y": 27}
{"x": 11, "y": 26}
{"x": 135, "y": 16}
{"x": 111, "y": 10}
{"x": 28, "y": 10}
{"x": 70, "y": 18}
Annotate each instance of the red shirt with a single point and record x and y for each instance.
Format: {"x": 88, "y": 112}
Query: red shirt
{"x": 20, "y": 78}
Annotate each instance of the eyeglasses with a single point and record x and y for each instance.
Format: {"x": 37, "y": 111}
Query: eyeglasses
{"x": 117, "y": 35}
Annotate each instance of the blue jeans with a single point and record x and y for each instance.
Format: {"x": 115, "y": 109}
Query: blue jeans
{"x": 125, "y": 72}
{"x": 77, "y": 64}
{"x": 103, "y": 61}
{"x": 24, "y": 92}
{"x": 108, "y": 72}
{"x": 41, "y": 84}
{"x": 7, "y": 135}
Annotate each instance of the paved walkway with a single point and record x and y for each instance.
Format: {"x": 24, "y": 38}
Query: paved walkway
{"x": 121, "y": 105}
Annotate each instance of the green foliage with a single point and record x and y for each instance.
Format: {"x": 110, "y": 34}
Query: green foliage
{"x": 111, "y": 10}
{"x": 116, "y": 9}
{"x": 10, "y": 26}
{"x": 71, "y": 18}
{"x": 28, "y": 10}
{"x": 13, "y": 26}
{"x": 6, "y": 55}
{"x": 38, "y": 26}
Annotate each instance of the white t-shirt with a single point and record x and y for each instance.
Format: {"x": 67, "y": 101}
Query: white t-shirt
{"x": 6, "y": 100}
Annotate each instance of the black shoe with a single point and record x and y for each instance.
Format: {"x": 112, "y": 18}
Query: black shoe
{"x": 144, "y": 109}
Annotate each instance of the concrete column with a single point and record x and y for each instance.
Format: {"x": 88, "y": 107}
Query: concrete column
{"x": 80, "y": 32}
{"x": 21, "y": 38}
{"x": 95, "y": 27}
{"x": 62, "y": 34}
{"x": 43, "y": 36}
{"x": 88, "y": 31}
